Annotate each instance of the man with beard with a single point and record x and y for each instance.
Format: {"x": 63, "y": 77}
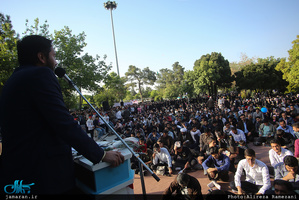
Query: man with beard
{"x": 40, "y": 153}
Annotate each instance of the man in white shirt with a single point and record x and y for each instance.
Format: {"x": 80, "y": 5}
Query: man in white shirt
{"x": 277, "y": 153}
{"x": 257, "y": 175}
{"x": 237, "y": 134}
{"x": 90, "y": 126}
{"x": 161, "y": 157}
{"x": 221, "y": 103}
{"x": 288, "y": 170}
{"x": 118, "y": 114}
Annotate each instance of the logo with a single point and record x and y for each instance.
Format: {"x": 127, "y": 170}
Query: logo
{"x": 17, "y": 188}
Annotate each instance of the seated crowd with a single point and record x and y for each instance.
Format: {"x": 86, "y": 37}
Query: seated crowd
{"x": 212, "y": 135}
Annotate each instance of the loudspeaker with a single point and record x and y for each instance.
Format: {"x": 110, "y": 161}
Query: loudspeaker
{"x": 121, "y": 103}
{"x": 105, "y": 105}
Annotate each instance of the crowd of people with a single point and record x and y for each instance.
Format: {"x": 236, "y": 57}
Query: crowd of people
{"x": 210, "y": 134}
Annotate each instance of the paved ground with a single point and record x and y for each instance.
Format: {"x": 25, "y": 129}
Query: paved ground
{"x": 154, "y": 187}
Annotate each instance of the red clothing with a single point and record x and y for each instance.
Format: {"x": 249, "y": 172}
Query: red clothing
{"x": 142, "y": 148}
{"x": 296, "y": 145}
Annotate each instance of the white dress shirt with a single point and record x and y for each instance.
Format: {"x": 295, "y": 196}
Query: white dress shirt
{"x": 258, "y": 174}
{"x": 163, "y": 157}
{"x": 239, "y": 136}
{"x": 275, "y": 158}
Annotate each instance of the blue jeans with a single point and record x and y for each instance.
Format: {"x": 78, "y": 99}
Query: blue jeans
{"x": 101, "y": 131}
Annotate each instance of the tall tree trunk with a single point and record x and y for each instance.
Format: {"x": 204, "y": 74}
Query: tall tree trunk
{"x": 80, "y": 101}
{"x": 140, "y": 92}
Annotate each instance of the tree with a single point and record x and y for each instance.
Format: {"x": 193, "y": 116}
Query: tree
{"x": 143, "y": 77}
{"x": 290, "y": 68}
{"x": 188, "y": 84}
{"x": 171, "y": 81}
{"x": 212, "y": 71}
{"x": 261, "y": 76}
{"x": 8, "y": 49}
{"x": 37, "y": 29}
{"x": 116, "y": 85}
{"x": 85, "y": 70}
{"x": 164, "y": 78}
{"x": 244, "y": 60}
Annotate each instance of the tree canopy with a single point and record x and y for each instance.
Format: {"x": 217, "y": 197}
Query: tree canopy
{"x": 8, "y": 49}
{"x": 142, "y": 77}
{"x": 290, "y": 68}
{"x": 261, "y": 76}
{"x": 212, "y": 71}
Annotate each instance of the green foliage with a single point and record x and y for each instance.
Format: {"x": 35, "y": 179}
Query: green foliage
{"x": 37, "y": 29}
{"x": 140, "y": 77}
{"x": 188, "y": 84}
{"x": 261, "y": 76}
{"x": 105, "y": 95}
{"x": 86, "y": 71}
{"x": 8, "y": 49}
{"x": 172, "y": 81}
{"x": 290, "y": 68}
{"x": 116, "y": 85}
{"x": 244, "y": 60}
{"x": 171, "y": 92}
{"x": 212, "y": 71}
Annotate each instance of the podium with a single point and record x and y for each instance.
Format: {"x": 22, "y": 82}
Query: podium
{"x": 101, "y": 179}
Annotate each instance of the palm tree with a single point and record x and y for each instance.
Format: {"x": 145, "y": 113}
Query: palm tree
{"x": 110, "y": 5}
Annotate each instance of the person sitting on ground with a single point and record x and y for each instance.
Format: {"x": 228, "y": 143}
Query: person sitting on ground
{"x": 266, "y": 132}
{"x": 257, "y": 179}
{"x": 225, "y": 141}
{"x": 183, "y": 187}
{"x": 167, "y": 140}
{"x": 286, "y": 128}
{"x": 195, "y": 134}
{"x": 100, "y": 131}
{"x": 287, "y": 118}
{"x": 152, "y": 138}
{"x": 288, "y": 170}
{"x": 257, "y": 124}
{"x": 296, "y": 129}
{"x": 281, "y": 187}
{"x": 258, "y": 113}
{"x": 227, "y": 127}
{"x": 247, "y": 127}
{"x": 217, "y": 166}
{"x": 238, "y": 135}
{"x": 183, "y": 158}
{"x": 185, "y": 137}
{"x": 160, "y": 142}
{"x": 286, "y": 139}
{"x": 205, "y": 151}
{"x": 232, "y": 153}
{"x": 203, "y": 137}
{"x": 236, "y": 153}
{"x": 276, "y": 154}
{"x": 161, "y": 157}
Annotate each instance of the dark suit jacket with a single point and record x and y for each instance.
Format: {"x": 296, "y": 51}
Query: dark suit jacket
{"x": 249, "y": 125}
{"x": 38, "y": 133}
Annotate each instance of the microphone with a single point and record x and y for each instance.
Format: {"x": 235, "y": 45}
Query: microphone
{"x": 60, "y": 72}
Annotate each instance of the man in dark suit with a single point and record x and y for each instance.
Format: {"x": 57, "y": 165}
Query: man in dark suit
{"x": 247, "y": 127}
{"x": 37, "y": 150}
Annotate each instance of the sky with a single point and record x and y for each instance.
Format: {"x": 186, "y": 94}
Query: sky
{"x": 158, "y": 33}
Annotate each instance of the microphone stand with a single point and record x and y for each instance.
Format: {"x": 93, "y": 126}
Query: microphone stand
{"x": 118, "y": 136}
